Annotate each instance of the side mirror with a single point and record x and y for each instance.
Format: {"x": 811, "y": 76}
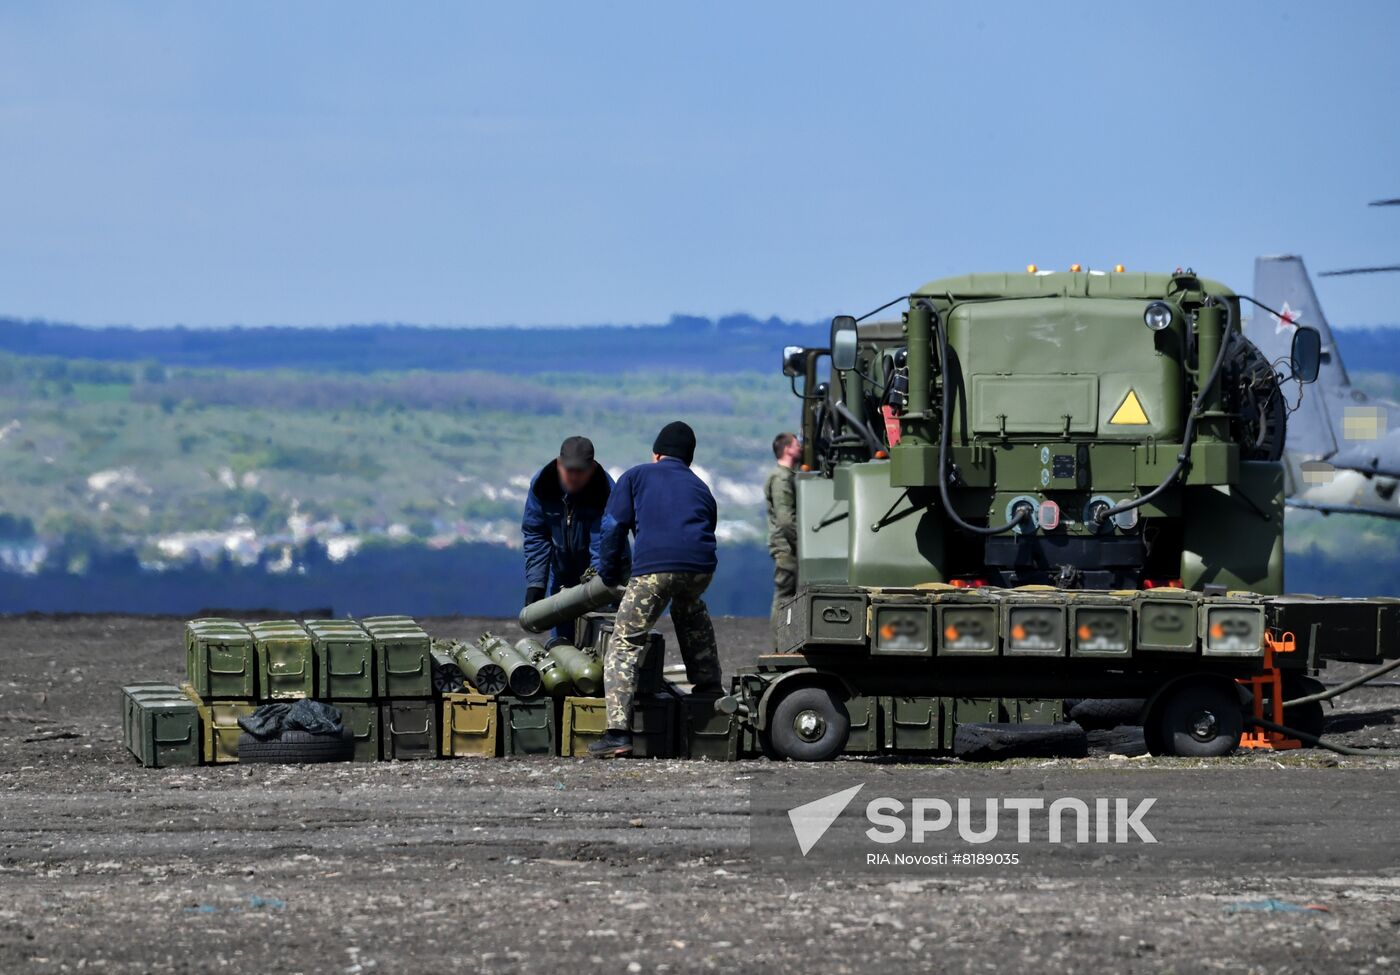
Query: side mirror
{"x": 843, "y": 342}
{"x": 1307, "y": 354}
{"x": 794, "y": 361}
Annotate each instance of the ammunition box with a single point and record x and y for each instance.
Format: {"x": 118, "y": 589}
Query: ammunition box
{"x": 651, "y": 678}
{"x": 362, "y": 718}
{"x": 221, "y": 729}
{"x": 1032, "y": 624}
{"x": 164, "y": 727}
{"x": 1361, "y": 630}
{"x": 865, "y": 725}
{"x": 344, "y": 656}
{"x": 1232, "y": 626}
{"x": 286, "y": 666}
{"x": 469, "y": 726}
{"x": 408, "y": 730}
{"x": 152, "y": 688}
{"x": 220, "y": 659}
{"x": 586, "y": 629}
{"x": 1166, "y": 620}
{"x": 822, "y": 615}
{"x": 902, "y": 627}
{"x": 1034, "y": 711}
{"x": 707, "y": 733}
{"x": 585, "y": 720}
{"x": 974, "y": 710}
{"x": 527, "y": 726}
{"x": 1100, "y": 625}
{"x": 968, "y": 625}
{"x": 402, "y": 658}
{"x": 387, "y": 622}
{"x": 912, "y": 724}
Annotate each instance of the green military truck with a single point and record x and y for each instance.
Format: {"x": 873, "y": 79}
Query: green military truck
{"x": 1039, "y": 486}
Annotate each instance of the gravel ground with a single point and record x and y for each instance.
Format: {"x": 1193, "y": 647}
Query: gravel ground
{"x": 529, "y": 865}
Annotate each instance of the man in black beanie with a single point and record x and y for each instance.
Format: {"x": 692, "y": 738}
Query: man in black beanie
{"x": 673, "y": 560}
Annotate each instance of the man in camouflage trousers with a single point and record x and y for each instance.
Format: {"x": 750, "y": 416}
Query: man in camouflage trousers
{"x": 780, "y": 493}
{"x": 673, "y": 515}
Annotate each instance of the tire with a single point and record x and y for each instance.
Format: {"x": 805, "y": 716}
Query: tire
{"x": 809, "y": 725}
{"x": 295, "y": 747}
{"x": 1106, "y": 713}
{"x": 1199, "y": 721}
{"x": 1307, "y": 718}
{"x": 995, "y": 742}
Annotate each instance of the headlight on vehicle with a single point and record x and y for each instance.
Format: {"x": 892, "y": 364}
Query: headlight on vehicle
{"x": 1157, "y": 316}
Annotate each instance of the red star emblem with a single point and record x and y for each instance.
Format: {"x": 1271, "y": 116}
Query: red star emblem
{"x": 1286, "y": 320}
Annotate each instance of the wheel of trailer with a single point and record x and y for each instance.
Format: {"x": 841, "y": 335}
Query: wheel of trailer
{"x": 809, "y": 724}
{"x": 1307, "y": 718}
{"x": 1198, "y": 721}
{"x": 296, "y": 747}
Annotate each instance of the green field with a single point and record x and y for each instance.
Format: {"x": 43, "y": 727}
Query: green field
{"x": 129, "y": 454}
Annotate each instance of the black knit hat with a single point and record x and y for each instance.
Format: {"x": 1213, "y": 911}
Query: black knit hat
{"x": 676, "y": 439}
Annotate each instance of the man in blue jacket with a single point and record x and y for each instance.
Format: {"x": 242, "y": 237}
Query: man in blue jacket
{"x": 563, "y": 516}
{"x": 672, "y": 513}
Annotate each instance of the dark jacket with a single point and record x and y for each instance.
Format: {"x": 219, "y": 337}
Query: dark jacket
{"x": 561, "y": 531}
{"x": 673, "y": 515}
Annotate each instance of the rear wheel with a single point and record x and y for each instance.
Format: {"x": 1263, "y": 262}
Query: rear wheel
{"x": 808, "y": 725}
{"x": 1198, "y": 721}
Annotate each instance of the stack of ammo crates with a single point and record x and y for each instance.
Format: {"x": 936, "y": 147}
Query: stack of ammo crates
{"x": 378, "y": 672}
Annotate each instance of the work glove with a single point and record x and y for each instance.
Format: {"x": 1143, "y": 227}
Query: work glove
{"x": 588, "y": 573}
{"x": 534, "y": 594}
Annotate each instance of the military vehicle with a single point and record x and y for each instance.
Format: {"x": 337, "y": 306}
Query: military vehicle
{"x": 1038, "y": 486}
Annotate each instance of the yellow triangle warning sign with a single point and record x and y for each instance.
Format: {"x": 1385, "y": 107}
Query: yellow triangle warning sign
{"x": 1130, "y": 412}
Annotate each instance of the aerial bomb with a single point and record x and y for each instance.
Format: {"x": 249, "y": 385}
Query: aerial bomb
{"x": 521, "y": 676}
{"x": 568, "y": 604}
{"x": 585, "y": 672}
{"x": 487, "y": 676}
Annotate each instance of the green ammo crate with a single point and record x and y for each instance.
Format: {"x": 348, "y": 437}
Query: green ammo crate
{"x": 286, "y": 661}
{"x": 362, "y": 718}
{"x": 408, "y": 730}
{"x": 653, "y": 725}
{"x": 220, "y": 659}
{"x": 1100, "y": 625}
{"x": 403, "y": 657}
{"x": 1166, "y": 620}
{"x": 832, "y": 616}
{"x": 912, "y": 724}
{"x": 1233, "y": 625}
{"x": 706, "y": 732}
{"x": 164, "y": 727}
{"x": 527, "y": 727}
{"x": 865, "y": 725}
{"x": 968, "y": 624}
{"x": 469, "y": 726}
{"x": 156, "y": 688}
{"x": 344, "y": 655}
{"x": 1032, "y": 623}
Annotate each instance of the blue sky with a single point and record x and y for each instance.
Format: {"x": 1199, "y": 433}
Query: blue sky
{"x": 308, "y": 163}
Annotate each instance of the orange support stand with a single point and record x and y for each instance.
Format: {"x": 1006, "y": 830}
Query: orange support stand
{"x": 1270, "y": 682}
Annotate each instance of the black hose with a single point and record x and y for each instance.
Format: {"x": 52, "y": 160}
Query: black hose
{"x": 945, "y": 439}
{"x": 866, "y": 434}
{"x": 1345, "y": 686}
{"x": 1183, "y": 459}
{"x": 1317, "y": 742}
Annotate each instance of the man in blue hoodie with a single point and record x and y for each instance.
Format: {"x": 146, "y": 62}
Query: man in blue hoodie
{"x": 672, "y": 513}
{"x": 563, "y": 516}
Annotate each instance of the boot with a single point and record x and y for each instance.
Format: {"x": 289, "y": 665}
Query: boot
{"x": 616, "y": 743}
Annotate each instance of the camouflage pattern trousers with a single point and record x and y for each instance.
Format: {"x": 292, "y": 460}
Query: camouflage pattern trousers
{"x": 642, "y": 604}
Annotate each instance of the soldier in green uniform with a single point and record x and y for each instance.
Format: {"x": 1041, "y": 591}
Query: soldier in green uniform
{"x": 782, "y": 521}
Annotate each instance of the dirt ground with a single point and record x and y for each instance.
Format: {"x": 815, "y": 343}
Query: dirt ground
{"x": 538, "y": 865}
